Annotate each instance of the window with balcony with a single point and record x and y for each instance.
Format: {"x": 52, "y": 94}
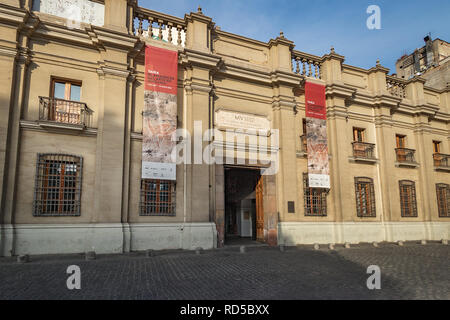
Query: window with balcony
{"x": 440, "y": 160}
{"x": 437, "y": 146}
{"x": 358, "y": 134}
{"x": 408, "y": 203}
{"x": 404, "y": 155}
{"x": 400, "y": 140}
{"x": 66, "y": 89}
{"x": 157, "y": 197}
{"x": 64, "y": 105}
{"x": 443, "y": 199}
{"x": 315, "y": 199}
{"x": 362, "y": 149}
{"x": 58, "y": 185}
{"x": 365, "y": 197}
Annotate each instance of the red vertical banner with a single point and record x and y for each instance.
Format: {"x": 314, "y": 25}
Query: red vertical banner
{"x": 160, "y": 114}
{"x": 316, "y": 133}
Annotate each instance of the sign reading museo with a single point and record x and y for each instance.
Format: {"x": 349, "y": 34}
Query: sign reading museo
{"x": 160, "y": 114}
{"x": 316, "y": 133}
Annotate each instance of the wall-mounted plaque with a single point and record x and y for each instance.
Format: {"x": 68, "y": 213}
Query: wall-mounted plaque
{"x": 241, "y": 121}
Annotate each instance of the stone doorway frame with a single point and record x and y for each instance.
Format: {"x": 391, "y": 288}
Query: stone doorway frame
{"x": 269, "y": 204}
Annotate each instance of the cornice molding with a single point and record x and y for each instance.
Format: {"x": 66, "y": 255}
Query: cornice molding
{"x": 112, "y": 38}
{"x": 279, "y": 77}
{"x": 191, "y": 87}
{"x": 8, "y": 52}
{"x": 334, "y": 89}
{"x": 222, "y": 33}
{"x": 378, "y": 68}
{"x": 196, "y": 16}
{"x": 333, "y": 55}
{"x": 60, "y": 128}
{"x": 108, "y": 71}
{"x": 190, "y": 58}
{"x": 12, "y": 15}
{"x": 281, "y": 40}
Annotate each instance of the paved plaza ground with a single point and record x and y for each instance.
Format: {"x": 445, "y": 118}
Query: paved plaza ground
{"x": 413, "y": 271}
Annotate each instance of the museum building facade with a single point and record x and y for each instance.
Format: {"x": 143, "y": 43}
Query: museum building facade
{"x": 71, "y": 138}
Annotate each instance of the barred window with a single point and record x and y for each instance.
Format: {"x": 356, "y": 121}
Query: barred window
{"x": 443, "y": 199}
{"x": 157, "y": 197}
{"x": 365, "y": 197}
{"x": 58, "y": 185}
{"x": 408, "y": 198}
{"x": 315, "y": 199}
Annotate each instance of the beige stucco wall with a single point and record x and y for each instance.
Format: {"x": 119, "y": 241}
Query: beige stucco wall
{"x": 230, "y": 72}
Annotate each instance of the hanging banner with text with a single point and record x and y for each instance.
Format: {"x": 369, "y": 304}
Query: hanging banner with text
{"x": 160, "y": 114}
{"x": 316, "y": 133}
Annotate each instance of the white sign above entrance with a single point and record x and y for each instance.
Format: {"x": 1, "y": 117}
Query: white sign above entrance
{"x": 241, "y": 121}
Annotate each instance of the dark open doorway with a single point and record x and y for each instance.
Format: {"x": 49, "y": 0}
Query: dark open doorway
{"x": 244, "y": 217}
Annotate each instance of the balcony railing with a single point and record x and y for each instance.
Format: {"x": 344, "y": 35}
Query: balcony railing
{"x": 396, "y": 86}
{"x": 64, "y": 111}
{"x": 405, "y": 155}
{"x": 441, "y": 160}
{"x": 363, "y": 150}
{"x": 305, "y": 64}
{"x": 159, "y": 26}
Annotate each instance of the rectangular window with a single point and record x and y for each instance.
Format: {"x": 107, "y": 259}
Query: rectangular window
{"x": 408, "y": 202}
{"x": 315, "y": 199}
{"x": 65, "y": 103}
{"x": 358, "y": 134}
{"x": 365, "y": 197}
{"x": 436, "y": 146}
{"x": 443, "y": 199}
{"x": 400, "y": 140}
{"x": 157, "y": 197}
{"x": 66, "y": 89}
{"x": 58, "y": 185}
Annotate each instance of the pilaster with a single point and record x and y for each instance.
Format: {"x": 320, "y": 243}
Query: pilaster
{"x": 197, "y": 111}
{"x": 117, "y": 15}
{"x": 198, "y": 31}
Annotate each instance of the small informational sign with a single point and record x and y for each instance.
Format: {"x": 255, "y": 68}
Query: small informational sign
{"x": 316, "y": 133}
{"x": 156, "y": 170}
{"x": 160, "y": 114}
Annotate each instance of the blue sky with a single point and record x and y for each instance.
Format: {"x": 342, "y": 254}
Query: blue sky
{"x": 316, "y": 25}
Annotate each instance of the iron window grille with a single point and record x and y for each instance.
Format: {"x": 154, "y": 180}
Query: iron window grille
{"x": 408, "y": 201}
{"x": 315, "y": 199}
{"x": 365, "y": 197}
{"x": 443, "y": 199}
{"x": 57, "y": 185}
{"x": 157, "y": 197}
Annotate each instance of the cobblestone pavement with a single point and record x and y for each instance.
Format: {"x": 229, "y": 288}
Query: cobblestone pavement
{"x": 413, "y": 271}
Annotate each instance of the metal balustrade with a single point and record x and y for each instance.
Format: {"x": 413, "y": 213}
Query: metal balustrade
{"x": 441, "y": 160}
{"x": 64, "y": 111}
{"x": 405, "y": 155}
{"x": 363, "y": 150}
